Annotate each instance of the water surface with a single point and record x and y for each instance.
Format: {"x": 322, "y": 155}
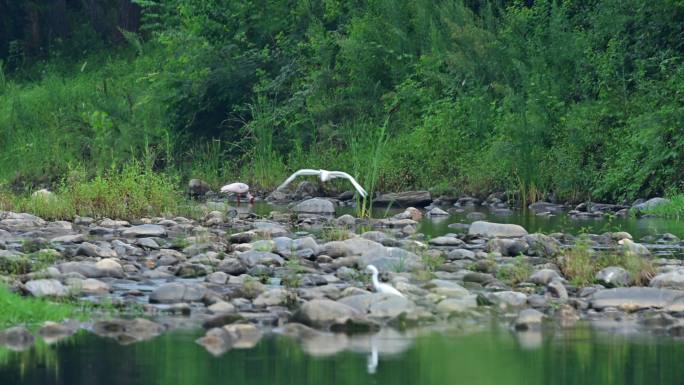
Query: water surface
{"x": 493, "y": 356}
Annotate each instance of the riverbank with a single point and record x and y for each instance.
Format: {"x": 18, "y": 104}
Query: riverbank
{"x": 301, "y": 272}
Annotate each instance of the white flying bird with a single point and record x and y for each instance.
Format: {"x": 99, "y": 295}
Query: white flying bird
{"x": 238, "y": 189}
{"x": 382, "y": 287}
{"x": 325, "y": 176}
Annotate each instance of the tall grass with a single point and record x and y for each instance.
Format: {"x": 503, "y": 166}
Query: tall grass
{"x": 263, "y": 165}
{"x": 672, "y": 209}
{"x": 127, "y": 193}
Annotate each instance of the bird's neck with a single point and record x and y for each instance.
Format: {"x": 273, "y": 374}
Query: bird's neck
{"x": 376, "y": 282}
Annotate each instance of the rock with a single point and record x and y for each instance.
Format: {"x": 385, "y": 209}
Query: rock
{"x": 306, "y": 189}
{"x": 222, "y": 307}
{"x": 232, "y": 266}
{"x": 19, "y": 221}
{"x": 391, "y": 259}
{"x": 315, "y": 206}
{"x": 541, "y": 245}
{"x": 670, "y": 280}
{"x": 651, "y": 203}
{"x": 253, "y": 258}
{"x": 460, "y": 254}
{"x": 216, "y": 341}
{"x": 457, "y": 305}
{"x": 110, "y": 268}
{"x": 544, "y": 276}
{"x": 148, "y": 243}
{"x": 198, "y": 187}
{"x": 507, "y": 247}
{"x": 613, "y": 276}
{"x": 46, "y": 288}
{"x": 507, "y": 299}
{"x": 407, "y": 198}
{"x": 93, "y": 286}
{"x": 447, "y": 288}
{"x": 632, "y": 248}
{"x": 437, "y": 212}
{"x": 541, "y": 207}
{"x": 446, "y": 241}
{"x": 87, "y": 270}
{"x": 243, "y": 336}
{"x": 496, "y": 230}
{"x": 358, "y": 246}
{"x": 635, "y": 298}
{"x": 128, "y": 331}
{"x": 345, "y": 220}
{"x": 110, "y": 223}
{"x": 336, "y": 249}
{"x": 16, "y": 338}
{"x": 218, "y": 278}
{"x": 529, "y": 319}
{"x": 143, "y": 231}
{"x": 411, "y": 213}
{"x": 379, "y": 305}
{"x": 321, "y": 313}
{"x": 272, "y": 297}
{"x": 177, "y": 292}
{"x": 92, "y": 250}
{"x": 68, "y": 239}
{"x": 52, "y": 332}
{"x": 557, "y": 289}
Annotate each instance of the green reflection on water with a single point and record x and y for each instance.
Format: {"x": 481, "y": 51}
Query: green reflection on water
{"x": 496, "y": 357}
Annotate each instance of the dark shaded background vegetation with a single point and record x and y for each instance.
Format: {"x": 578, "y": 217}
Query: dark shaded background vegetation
{"x": 567, "y": 99}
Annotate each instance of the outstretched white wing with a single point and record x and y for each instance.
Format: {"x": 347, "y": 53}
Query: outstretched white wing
{"x": 357, "y": 186}
{"x": 292, "y": 177}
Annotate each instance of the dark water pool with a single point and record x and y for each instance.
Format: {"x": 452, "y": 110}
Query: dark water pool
{"x": 558, "y": 223}
{"x": 492, "y": 356}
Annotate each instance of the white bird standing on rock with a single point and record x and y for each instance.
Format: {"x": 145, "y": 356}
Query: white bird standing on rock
{"x": 325, "y": 176}
{"x": 238, "y": 189}
{"x": 382, "y": 287}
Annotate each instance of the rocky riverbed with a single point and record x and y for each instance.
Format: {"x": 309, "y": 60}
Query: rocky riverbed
{"x": 301, "y": 273}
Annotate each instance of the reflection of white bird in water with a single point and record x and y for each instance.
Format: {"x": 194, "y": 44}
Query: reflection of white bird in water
{"x": 382, "y": 287}
{"x": 238, "y": 189}
{"x": 372, "y": 363}
{"x": 325, "y": 176}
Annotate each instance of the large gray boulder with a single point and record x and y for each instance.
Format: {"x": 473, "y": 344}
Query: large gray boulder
{"x": 635, "y": 298}
{"x": 46, "y": 288}
{"x": 177, "y": 292}
{"x": 651, "y": 203}
{"x": 496, "y": 230}
{"x": 322, "y": 313}
{"x": 315, "y": 206}
{"x": 144, "y": 231}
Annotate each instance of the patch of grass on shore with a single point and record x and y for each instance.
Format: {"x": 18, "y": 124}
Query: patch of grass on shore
{"x": 672, "y": 209}
{"x": 127, "y": 193}
{"x": 580, "y": 264}
{"x": 32, "y": 311}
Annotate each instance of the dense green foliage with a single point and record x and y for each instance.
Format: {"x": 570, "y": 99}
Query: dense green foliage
{"x": 582, "y": 99}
